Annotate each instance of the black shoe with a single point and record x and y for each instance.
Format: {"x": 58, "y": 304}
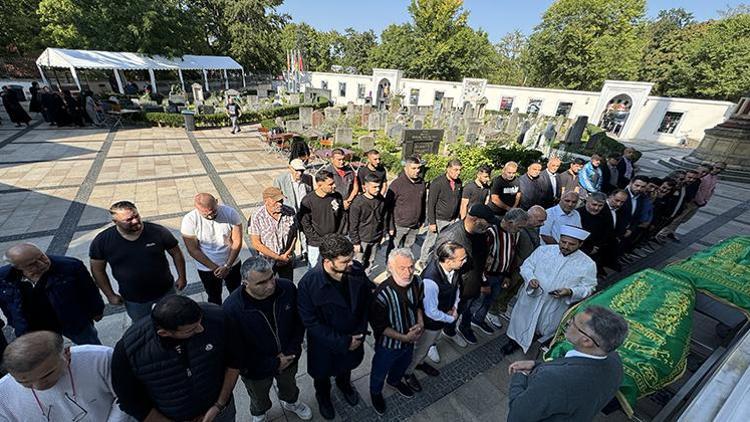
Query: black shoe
{"x": 468, "y": 335}
{"x": 413, "y": 382}
{"x": 378, "y": 403}
{"x": 483, "y": 327}
{"x": 325, "y": 407}
{"x": 427, "y": 369}
{"x": 403, "y": 389}
{"x": 350, "y": 394}
{"x": 510, "y": 347}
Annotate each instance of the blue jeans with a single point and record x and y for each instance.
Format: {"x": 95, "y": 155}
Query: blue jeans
{"x": 137, "y": 310}
{"x": 481, "y": 306}
{"x": 88, "y": 335}
{"x": 391, "y": 363}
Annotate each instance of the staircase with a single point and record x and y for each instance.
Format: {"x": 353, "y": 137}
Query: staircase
{"x": 690, "y": 163}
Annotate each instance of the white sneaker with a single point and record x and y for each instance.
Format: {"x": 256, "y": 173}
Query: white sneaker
{"x": 261, "y": 418}
{"x": 433, "y": 354}
{"x": 457, "y": 338}
{"x": 299, "y": 408}
{"x": 494, "y": 320}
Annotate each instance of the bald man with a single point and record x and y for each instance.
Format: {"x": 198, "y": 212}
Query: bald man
{"x": 48, "y": 292}
{"x": 213, "y": 237}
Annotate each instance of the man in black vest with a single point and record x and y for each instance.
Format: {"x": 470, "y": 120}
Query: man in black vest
{"x": 440, "y": 282}
{"x": 180, "y": 364}
{"x": 333, "y": 300}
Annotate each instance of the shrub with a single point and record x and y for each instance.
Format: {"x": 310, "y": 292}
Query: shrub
{"x": 495, "y": 154}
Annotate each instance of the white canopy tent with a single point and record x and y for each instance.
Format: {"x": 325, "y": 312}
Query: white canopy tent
{"x": 90, "y": 59}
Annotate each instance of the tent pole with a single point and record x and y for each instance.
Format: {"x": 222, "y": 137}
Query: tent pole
{"x": 75, "y": 77}
{"x": 205, "y": 79}
{"x": 244, "y": 84}
{"x": 182, "y": 81}
{"x": 119, "y": 82}
{"x": 153, "y": 81}
{"x": 226, "y": 80}
{"x": 41, "y": 72}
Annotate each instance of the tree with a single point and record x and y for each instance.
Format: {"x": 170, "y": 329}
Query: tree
{"x": 438, "y": 44}
{"x": 580, "y": 43}
{"x": 319, "y": 49}
{"x": 18, "y": 33}
{"x": 357, "y": 48}
{"x": 511, "y": 51}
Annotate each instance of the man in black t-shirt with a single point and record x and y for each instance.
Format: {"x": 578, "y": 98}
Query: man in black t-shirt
{"x": 134, "y": 249}
{"x": 505, "y": 193}
{"x": 476, "y": 193}
{"x": 321, "y": 212}
{"x": 373, "y": 166}
{"x": 234, "y": 111}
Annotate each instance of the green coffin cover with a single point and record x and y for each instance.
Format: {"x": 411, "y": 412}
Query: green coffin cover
{"x": 658, "y": 308}
{"x": 721, "y": 271}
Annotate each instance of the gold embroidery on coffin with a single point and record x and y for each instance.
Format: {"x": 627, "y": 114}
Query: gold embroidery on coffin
{"x": 671, "y": 312}
{"x": 629, "y": 299}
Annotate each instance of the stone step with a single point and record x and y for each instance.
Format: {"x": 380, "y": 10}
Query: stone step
{"x": 688, "y": 163}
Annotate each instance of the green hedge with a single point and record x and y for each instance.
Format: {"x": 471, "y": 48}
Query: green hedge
{"x": 221, "y": 119}
{"x": 495, "y": 154}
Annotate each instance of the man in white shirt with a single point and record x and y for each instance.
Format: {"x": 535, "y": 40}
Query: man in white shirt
{"x": 47, "y": 381}
{"x": 555, "y": 276}
{"x": 562, "y": 214}
{"x": 213, "y": 236}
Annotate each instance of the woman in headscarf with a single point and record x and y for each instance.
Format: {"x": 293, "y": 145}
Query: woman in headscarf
{"x": 13, "y": 107}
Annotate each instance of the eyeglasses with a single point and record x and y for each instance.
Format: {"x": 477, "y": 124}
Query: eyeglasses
{"x": 572, "y": 322}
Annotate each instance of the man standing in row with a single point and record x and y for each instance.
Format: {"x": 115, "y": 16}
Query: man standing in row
{"x": 321, "y": 212}
{"x": 344, "y": 177}
{"x": 367, "y": 221}
{"x": 273, "y": 231}
{"x": 271, "y": 332}
{"x": 505, "y": 193}
{"x": 476, "y": 192}
{"x": 373, "y": 166}
{"x": 531, "y": 187}
{"x": 561, "y": 215}
{"x": 48, "y": 292}
{"x": 555, "y": 277}
{"x": 333, "y": 301}
{"x": 625, "y": 168}
{"x": 135, "y": 249}
{"x": 397, "y": 322}
{"x": 405, "y": 201}
{"x": 213, "y": 237}
{"x": 181, "y": 363}
{"x": 590, "y": 177}
{"x": 551, "y": 183}
{"x": 295, "y": 185}
{"x": 443, "y": 202}
{"x": 568, "y": 181}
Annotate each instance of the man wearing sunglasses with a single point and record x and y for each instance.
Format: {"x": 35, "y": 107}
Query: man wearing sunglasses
{"x": 577, "y": 386}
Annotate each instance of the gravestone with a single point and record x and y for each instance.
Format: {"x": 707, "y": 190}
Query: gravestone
{"x": 447, "y": 104}
{"x": 383, "y": 119}
{"x": 500, "y": 122}
{"x": 451, "y": 135}
{"x": 252, "y": 99}
{"x": 332, "y": 113}
{"x": 373, "y": 122}
{"x": 294, "y": 126}
{"x": 421, "y": 142}
{"x": 468, "y": 111}
{"x": 305, "y": 116}
{"x": 350, "y": 109}
{"x": 343, "y": 136}
{"x": 279, "y": 122}
{"x": 294, "y": 99}
{"x": 366, "y": 143}
{"x": 395, "y": 132}
{"x": 437, "y": 109}
{"x": 197, "y": 93}
{"x": 418, "y": 122}
{"x": 317, "y": 118}
{"x": 573, "y": 137}
{"x": 512, "y": 121}
{"x": 472, "y": 131}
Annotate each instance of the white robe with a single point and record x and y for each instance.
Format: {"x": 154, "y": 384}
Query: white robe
{"x": 543, "y": 313}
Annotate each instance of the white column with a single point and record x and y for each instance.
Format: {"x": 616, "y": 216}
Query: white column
{"x": 119, "y": 81}
{"x": 75, "y": 77}
{"x": 153, "y": 80}
{"x": 41, "y": 72}
{"x": 205, "y": 79}
{"x": 244, "y": 84}
{"x": 182, "y": 81}
{"x": 226, "y": 79}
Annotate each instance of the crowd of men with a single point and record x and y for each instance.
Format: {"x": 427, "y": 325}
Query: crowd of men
{"x": 542, "y": 239}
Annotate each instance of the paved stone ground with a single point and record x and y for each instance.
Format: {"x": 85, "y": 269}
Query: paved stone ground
{"x": 55, "y": 186}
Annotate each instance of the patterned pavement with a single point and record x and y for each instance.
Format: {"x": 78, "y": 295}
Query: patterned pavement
{"x": 56, "y": 186}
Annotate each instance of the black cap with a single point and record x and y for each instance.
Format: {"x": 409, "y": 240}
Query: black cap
{"x": 484, "y": 212}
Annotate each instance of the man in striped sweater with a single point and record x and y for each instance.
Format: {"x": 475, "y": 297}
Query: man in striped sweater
{"x": 396, "y": 317}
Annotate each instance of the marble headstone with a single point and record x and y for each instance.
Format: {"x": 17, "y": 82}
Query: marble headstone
{"x": 573, "y": 137}
{"x": 317, "y": 118}
{"x": 294, "y": 126}
{"x": 373, "y": 121}
{"x": 366, "y": 143}
{"x": 343, "y": 136}
{"x": 305, "y": 115}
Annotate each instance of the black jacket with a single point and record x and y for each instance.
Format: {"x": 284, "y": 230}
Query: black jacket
{"x": 622, "y": 181}
{"x": 331, "y": 321}
{"x": 70, "y": 289}
{"x": 607, "y": 187}
{"x": 473, "y": 269}
{"x": 263, "y": 341}
{"x": 442, "y": 201}
{"x": 550, "y": 196}
{"x": 405, "y": 202}
{"x": 148, "y": 372}
{"x": 533, "y": 191}
{"x": 367, "y": 219}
